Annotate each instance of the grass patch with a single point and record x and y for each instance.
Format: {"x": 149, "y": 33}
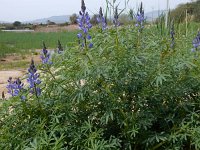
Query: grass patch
{"x": 12, "y": 42}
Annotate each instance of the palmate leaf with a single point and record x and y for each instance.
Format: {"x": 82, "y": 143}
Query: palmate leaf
{"x": 185, "y": 64}
{"x": 160, "y": 78}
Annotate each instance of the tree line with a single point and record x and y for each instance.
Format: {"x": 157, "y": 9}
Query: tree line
{"x": 190, "y": 10}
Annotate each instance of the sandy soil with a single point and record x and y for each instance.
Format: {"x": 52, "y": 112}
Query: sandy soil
{"x": 16, "y": 58}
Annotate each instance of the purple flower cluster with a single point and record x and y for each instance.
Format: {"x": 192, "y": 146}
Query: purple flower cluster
{"x": 45, "y": 55}
{"x": 116, "y": 17}
{"x": 14, "y": 87}
{"x": 196, "y": 43}
{"x": 140, "y": 18}
{"x": 33, "y": 79}
{"x": 101, "y": 20}
{"x": 85, "y": 25}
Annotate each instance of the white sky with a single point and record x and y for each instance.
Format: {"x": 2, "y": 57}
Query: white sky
{"x": 25, "y": 10}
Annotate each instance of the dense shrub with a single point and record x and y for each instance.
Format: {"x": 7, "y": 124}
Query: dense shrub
{"x": 131, "y": 90}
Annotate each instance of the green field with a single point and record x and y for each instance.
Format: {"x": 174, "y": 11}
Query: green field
{"x": 12, "y": 42}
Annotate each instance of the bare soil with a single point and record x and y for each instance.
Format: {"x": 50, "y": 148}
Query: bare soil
{"x": 56, "y": 28}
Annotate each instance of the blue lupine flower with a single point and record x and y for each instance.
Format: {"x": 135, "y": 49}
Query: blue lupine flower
{"x": 116, "y": 17}
{"x": 101, "y": 20}
{"x": 33, "y": 79}
{"x": 60, "y": 48}
{"x": 172, "y": 34}
{"x": 10, "y": 86}
{"x": 85, "y": 25}
{"x": 23, "y": 98}
{"x": 196, "y": 42}
{"x": 90, "y": 45}
{"x": 140, "y": 18}
{"x": 45, "y": 55}
{"x": 18, "y": 86}
{"x": 14, "y": 87}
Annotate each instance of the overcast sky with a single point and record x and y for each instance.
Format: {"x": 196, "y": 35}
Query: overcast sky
{"x": 26, "y": 10}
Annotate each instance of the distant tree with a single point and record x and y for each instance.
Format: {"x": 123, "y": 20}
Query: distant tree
{"x": 73, "y": 18}
{"x": 50, "y": 22}
{"x": 197, "y": 11}
{"x": 193, "y": 12}
{"x": 94, "y": 19}
{"x": 17, "y": 24}
{"x": 124, "y": 19}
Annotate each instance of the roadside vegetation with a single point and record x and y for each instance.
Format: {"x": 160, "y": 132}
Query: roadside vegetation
{"x": 133, "y": 87}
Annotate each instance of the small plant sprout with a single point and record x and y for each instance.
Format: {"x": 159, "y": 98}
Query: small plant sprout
{"x": 60, "y": 48}
{"x": 3, "y": 95}
{"x": 140, "y": 18}
{"x": 84, "y": 25}
{"x": 33, "y": 79}
{"x": 101, "y": 20}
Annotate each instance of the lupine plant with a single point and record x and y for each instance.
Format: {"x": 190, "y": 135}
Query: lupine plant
{"x": 101, "y": 20}
{"x": 45, "y": 55}
{"x": 33, "y": 79}
{"x": 125, "y": 97}
{"x": 196, "y": 42}
{"x": 140, "y": 18}
{"x": 85, "y": 25}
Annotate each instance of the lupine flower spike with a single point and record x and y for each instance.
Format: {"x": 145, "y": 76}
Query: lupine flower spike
{"x": 172, "y": 34}
{"x": 45, "y": 55}
{"x": 116, "y": 17}
{"x": 140, "y": 18}
{"x": 101, "y": 20}
{"x": 33, "y": 79}
{"x": 85, "y": 25}
{"x": 60, "y": 48}
{"x": 14, "y": 87}
{"x": 196, "y": 43}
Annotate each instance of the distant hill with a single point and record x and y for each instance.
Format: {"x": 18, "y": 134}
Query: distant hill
{"x": 56, "y": 19}
{"x": 2, "y": 22}
{"x": 66, "y": 18}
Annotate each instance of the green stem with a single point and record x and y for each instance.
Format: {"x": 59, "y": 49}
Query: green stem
{"x": 51, "y": 73}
